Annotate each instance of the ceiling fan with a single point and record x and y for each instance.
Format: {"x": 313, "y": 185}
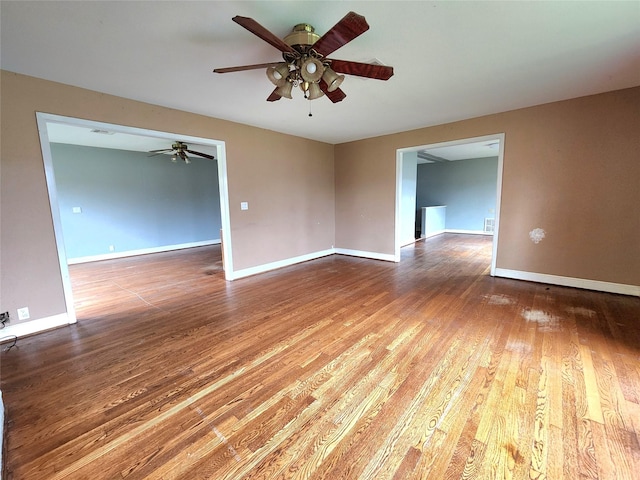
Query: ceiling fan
{"x": 306, "y": 64}
{"x": 180, "y": 150}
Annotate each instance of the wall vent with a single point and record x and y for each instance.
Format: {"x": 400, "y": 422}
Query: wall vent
{"x": 489, "y": 225}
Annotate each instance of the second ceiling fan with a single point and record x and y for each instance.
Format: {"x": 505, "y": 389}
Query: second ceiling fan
{"x": 180, "y": 150}
{"x": 306, "y": 63}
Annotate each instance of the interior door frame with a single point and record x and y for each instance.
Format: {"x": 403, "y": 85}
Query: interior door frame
{"x": 43, "y": 119}
{"x": 500, "y": 137}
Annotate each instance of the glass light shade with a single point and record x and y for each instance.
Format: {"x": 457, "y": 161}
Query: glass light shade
{"x": 332, "y": 79}
{"x": 315, "y": 91}
{"x": 312, "y": 70}
{"x": 278, "y": 74}
{"x": 285, "y": 90}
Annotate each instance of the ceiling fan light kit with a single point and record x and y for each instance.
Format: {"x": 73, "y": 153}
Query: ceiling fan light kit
{"x": 312, "y": 70}
{"x": 174, "y": 159}
{"x": 278, "y": 74}
{"x": 332, "y": 79}
{"x": 314, "y": 91}
{"x": 306, "y": 64}
{"x": 285, "y": 89}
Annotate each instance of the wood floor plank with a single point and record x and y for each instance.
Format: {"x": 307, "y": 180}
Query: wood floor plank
{"x": 469, "y": 452}
{"x": 339, "y": 368}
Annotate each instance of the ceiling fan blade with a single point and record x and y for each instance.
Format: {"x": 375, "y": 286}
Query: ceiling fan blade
{"x": 205, "y": 155}
{"x": 246, "y": 67}
{"x": 369, "y": 70}
{"x": 335, "y": 96}
{"x": 160, "y": 151}
{"x": 275, "y": 96}
{"x": 258, "y": 30}
{"x": 351, "y": 26}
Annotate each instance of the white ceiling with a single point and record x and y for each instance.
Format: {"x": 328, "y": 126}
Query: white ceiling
{"x": 93, "y": 137}
{"x": 452, "y": 60}
{"x": 464, "y": 151}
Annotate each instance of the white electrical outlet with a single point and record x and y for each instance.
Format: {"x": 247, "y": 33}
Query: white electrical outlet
{"x": 112, "y": 248}
{"x": 23, "y": 313}
{"x": 244, "y": 205}
{"x": 76, "y": 210}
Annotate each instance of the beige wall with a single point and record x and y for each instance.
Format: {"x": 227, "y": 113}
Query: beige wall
{"x": 571, "y": 168}
{"x": 291, "y": 197}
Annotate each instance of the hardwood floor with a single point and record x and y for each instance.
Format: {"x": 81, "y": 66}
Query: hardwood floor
{"x": 338, "y": 368}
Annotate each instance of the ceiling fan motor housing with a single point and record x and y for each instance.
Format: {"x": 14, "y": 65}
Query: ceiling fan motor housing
{"x": 303, "y": 35}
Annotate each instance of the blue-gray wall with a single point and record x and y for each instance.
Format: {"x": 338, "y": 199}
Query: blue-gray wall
{"x": 466, "y": 187}
{"x": 133, "y": 201}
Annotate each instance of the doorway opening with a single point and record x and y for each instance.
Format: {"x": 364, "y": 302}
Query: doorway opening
{"x": 137, "y": 139}
{"x": 445, "y": 154}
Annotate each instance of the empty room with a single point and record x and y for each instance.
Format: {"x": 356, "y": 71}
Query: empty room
{"x": 324, "y": 240}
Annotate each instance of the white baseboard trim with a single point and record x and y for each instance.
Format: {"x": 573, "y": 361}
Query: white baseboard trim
{"x": 142, "y": 251}
{"x": 361, "y": 253}
{"x": 279, "y": 264}
{"x": 468, "y": 232}
{"x": 453, "y": 230}
{"x": 597, "y": 285}
{"x": 406, "y": 243}
{"x": 34, "y": 326}
{"x": 305, "y": 258}
{"x": 433, "y": 234}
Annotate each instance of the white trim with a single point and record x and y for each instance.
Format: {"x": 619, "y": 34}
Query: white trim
{"x": 142, "y": 251}
{"x": 468, "y": 232}
{"x": 225, "y": 216}
{"x": 361, "y": 253}
{"x": 280, "y": 263}
{"x": 35, "y": 326}
{"x": 597, "y": 285}
{"x": 453, "y": 230}
{"x": 496, "y": 221}
{"x": 47, "y": 158}
{"x": 413, "y": 242}
{"x": 433, "y": 233}
{"x": 397, "y": 234}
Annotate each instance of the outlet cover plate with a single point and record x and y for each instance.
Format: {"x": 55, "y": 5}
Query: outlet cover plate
{"x": 23, "y": 313}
